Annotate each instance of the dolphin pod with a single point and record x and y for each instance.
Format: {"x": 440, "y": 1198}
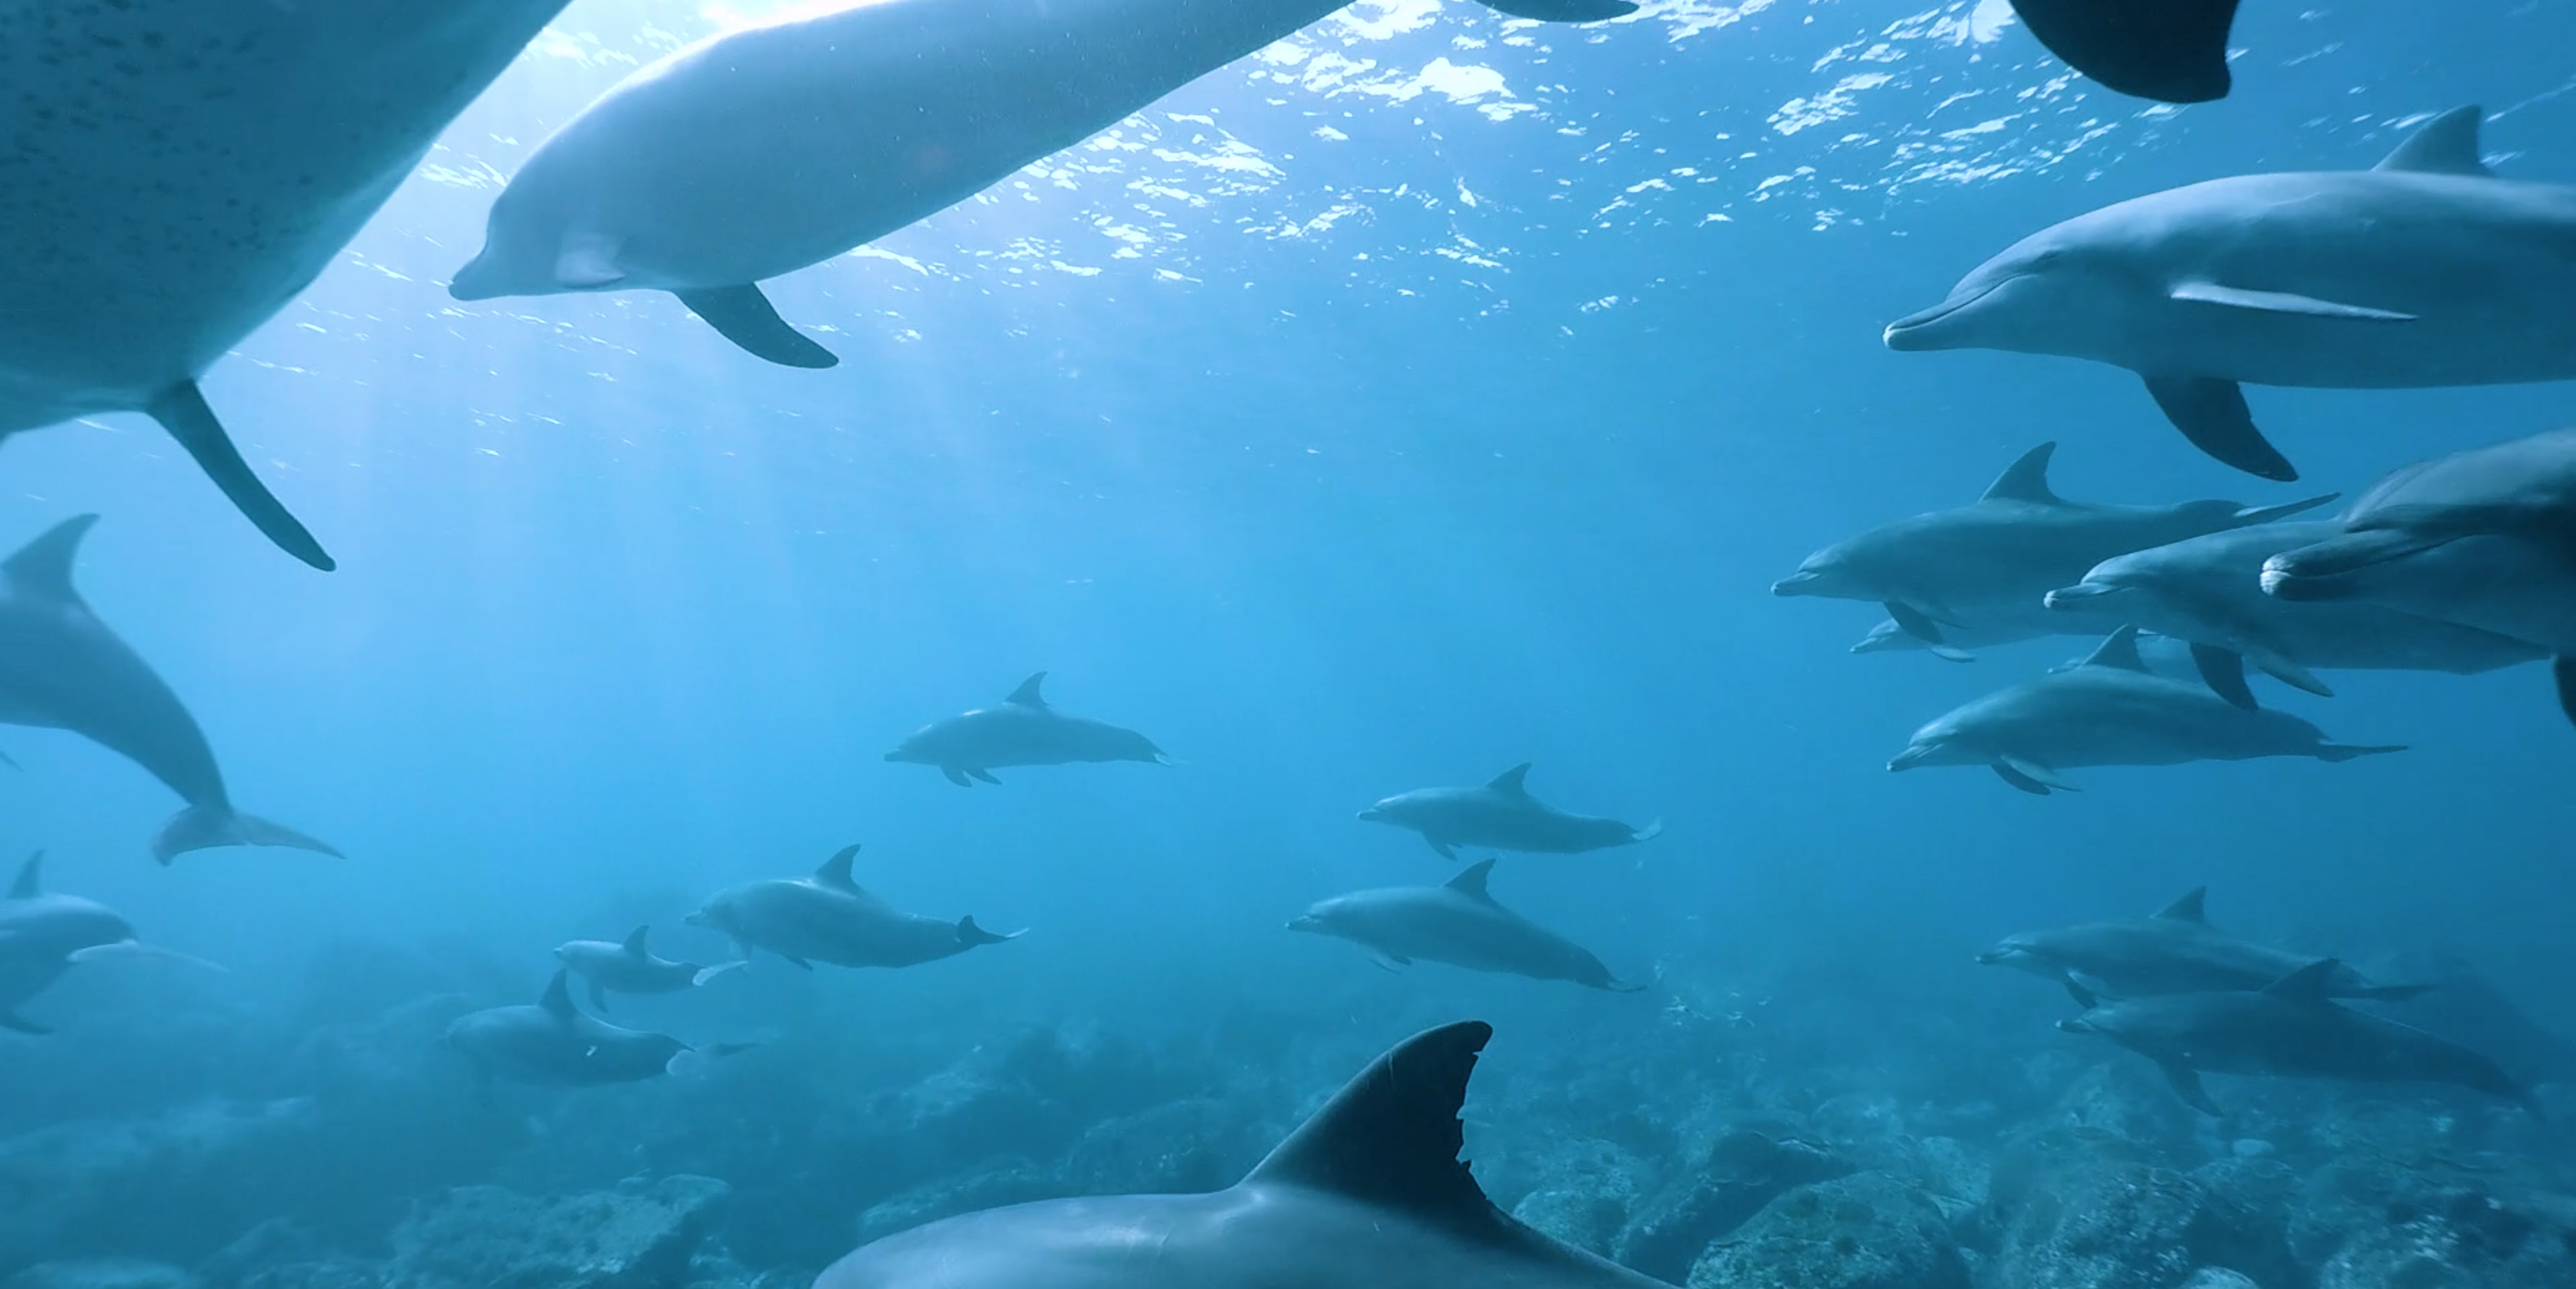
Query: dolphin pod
{"x": 2176, "y": 951}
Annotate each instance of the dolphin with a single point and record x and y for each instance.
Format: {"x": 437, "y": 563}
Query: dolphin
{"x": 1460, "y": 924}
{"x": 2426, "y": 271}
{"x": 61, "y": 668}
{"x": 1984, "y": 570}
{"x": 551, "y": 1044}
{"x": 2110, "y": 711}
{"x": 2291, "y": 1028}
{"x": 761, "y": 151}
{"x": 2209, "y": 591}
{"x": 42, "y": 935}
{"x": 2173, "y": 51}
{"x": 2175, "y": 952}
{"x": 178, "y": 170}
{"x": 631, "y": 968}
{"x": 1370, "y": 1191}
{"x": 829, "y": 918}
{"x": 1503, "y": 815}
{"x": 1024, "y": 730}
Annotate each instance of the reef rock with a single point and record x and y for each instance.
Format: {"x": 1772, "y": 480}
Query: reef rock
{"x": 484, "y": 1237}
{"x": 1743, "y": 1172}
{"x": 1865, "y": 1231}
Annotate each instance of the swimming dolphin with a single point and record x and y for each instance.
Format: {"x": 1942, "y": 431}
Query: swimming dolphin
{"x": 179, "y": 170}
{"x": 760, "y": 151}
{"x": 551, "y": 1044}
{"x": 61, "y": 668}
{"x": 631, "y": 968}
{"x": 829, "y": 918}
{"x": 1024, "y": 730}
{"x": 2426, "y": 271}
{"x": 2291, "y": 1028}
{"x": 1502, "y": 814}
{"x": 2110, "y": 711}
{"x": 1985, "y": 569}
{"x": 42, "y": 935}
{"x": 2175, "y": 952}
{"x": 2209, "y": 591}
{"x": 2481, "y": 538}
{"x": 2173, "y": 51}
{"x": 1459, "y": 924}
{"x": 1368, "y": 1192}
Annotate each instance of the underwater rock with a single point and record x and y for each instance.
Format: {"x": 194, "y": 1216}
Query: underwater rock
{"x": 1585, "y": 1193}
{"x": 101, "y": 1273}
{"x": 2219, "y": 1278}
{"x": 1743, "y": 1172}
{"x": 1865, "y": 1231}
{"x": 2082, "y": 1208}
{"x": 1201, "y": 1144}
{"x": 2373, "y": 1221}
{"x": 483, "y": 1237}
{"x": 2243, "y": 1224}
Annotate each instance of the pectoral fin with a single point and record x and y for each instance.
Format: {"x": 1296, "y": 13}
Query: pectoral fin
{"x": 1390, "y": 961}
{"x": 598, "y": 997}
{"x": 985, "y": 776}
{"x": 2186, "y": 1084}
{"x": 957, "y": 776}
{"x": 2290, "y": 673}
{"x": 1914, "y": 622}
{"x": 799, "y": 963}
{"x": 2084, "y": 998}
{"x": 743, "y": 315}
{"x": 2563, "y": 670}
{"x": 182, "y": 411}
{"x": 2282, "y": 302}
{"x": 2030, "y": 776}
{"x": 1447, "y": 851}
{"x": 2212, "y": 414}
{"x": 2224, "y": 669}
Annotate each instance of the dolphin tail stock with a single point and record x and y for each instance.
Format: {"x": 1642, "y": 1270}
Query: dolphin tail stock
{"x": 182, "y": 411}
{"x": 744, "y": 316}
{"x": 208, "y": 826}
{"x": 2341, "y": 752}
{"x": 970, "y": 934}
{"x": 706, "y": 974}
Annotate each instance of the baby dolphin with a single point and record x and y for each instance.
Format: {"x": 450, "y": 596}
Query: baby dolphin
{"x": 2173, "y": 51}
{"x": 631, "y": 968}
{"x": 2426, "y": 271}
{"x": 1459, "y": 924}
{"x": 1503, "y": 815}
{"x": 2110, "y": 711}
{"x": 42, "y": 935}
{"x": 829, "y": 918}
{"x": 2291, "y": 1028}
{"x": 2175, "y": 952}
{"x": 550, "y": 1044}
{"x": 1024, "y": 730}
{"x": 1369, "y": 1192}
{"x": 61, "y": 668}
{"x": 1984, "y": 570}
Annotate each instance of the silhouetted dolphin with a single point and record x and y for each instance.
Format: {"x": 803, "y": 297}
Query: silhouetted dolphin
{"x": 2291, "y": 1029}
{"x": 61, "y": 668}
{"x": 551, "y": 1044}
{"x": 2174, "y": 952}
{"x": 1459, "y": 924}
{"x": 42, "y": 935}
{"x": 1985, "y": 570}
{"x": 630, "y": 968}
{"x": 2426, "y": 271}
{"x": 1502, "y": 814}
{"x": 829, "y": 918}
{"x": 1370, "y": 1192}
{"x": 2173, "y": 51}
{"x": 2110, "y": 711}
{"x": 1024, "y": 730}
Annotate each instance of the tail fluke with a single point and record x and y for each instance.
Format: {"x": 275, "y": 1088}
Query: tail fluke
{"x": 706, "y": 974}
{"x": 207, "y": 827}
{"x": 969, "y": 933}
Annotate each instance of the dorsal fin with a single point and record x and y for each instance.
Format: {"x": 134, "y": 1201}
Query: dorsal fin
{"x": 2445, "y": 145}
{"x": 2119, "y": 650}
{"x": 31, "y": 878}
{"x": 835, "y": 871}
{"x": 635, "y": 943}
{"x": 42, "y": 569}
{"x": 2189, "y": 907}
{"x": 1391, "y": 1136}
{"x": 557, "y": 999}
{"x": 1512, "y": 782}
{"x": 2026, "y": 479}
{"x": 1028, "y": 695}
{"x": 2307, "y": 984}
{"x": 1471, "y": 881}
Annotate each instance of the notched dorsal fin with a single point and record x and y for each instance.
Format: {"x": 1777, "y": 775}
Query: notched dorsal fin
{"x": 42, "y": 569}
{"x": 558, "y": 998}
{"x": 1471, "y": 882}
{"x": 2189, "y": 908}
{"x": 2445, "y": 145}
{"x": 1513, "y": 781}
{"x": 635, "y": 943}
{"x": 2026, "y": 479}
{"x": 1028, "y": 695}
{"x": 31, "y": 878}
{"x": 835, "y": 871}
{"x": 2307, "y": 984}
{"x": 1391, "y": 1136}
{"x": 2119, "y": 650}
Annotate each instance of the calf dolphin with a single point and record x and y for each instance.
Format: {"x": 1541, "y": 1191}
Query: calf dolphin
{"x": 2175, "y": 952}
{"x": 1985, "y": 569}
{"x": 1370, "y": 1191}
{"x": 551, "y": 1044}
{"x": 2426, "y": 271}
{"x": 761, "y": 151}
{"x": 1502, "y": 814}
{"x": 829, "y": 918}
{"x": 629, "y": 967}
{"x": 1460, "y": 924}
{"x": 42, "y": 935}
{"x": 2291, "y": 1028}
{"x": 2110, "y": 711}
{"x": 1024, "y": 730}
{"x": 179, "y": 170}
{"x": 61, "y": 668}
{"x": 2173, "y": 51}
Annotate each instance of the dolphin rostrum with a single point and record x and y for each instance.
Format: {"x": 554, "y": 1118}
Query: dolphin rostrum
{"x": 2110, "y": 711}
{"x": 829, "y": 918}
{"x": 1368, "y": 1192}
{"x": 2173, "y": 51}
{"x": 1459, "y": 924}
{"x": 2291, "y": 1028}
{"x": 1023, "y": 730}
{"x": 61, "y": 668}
{"x": 2175, "y": 952}
{"x": 1503, "y": 815}
{"x": 1984, "y": 570}
{"x": 551, "y": 1044}
{"x": 2425, "y": 271}
{"x": 629, "y": 967}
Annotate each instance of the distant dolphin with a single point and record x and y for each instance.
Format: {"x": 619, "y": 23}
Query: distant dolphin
{"x": 1024, "y": 730}
{"x": 829, "y": 918}
{"x": 42, "y": 935}
{"x": 2175, "y": 952}
{"x": 178, "y": 170}
{"x": 1985, "y": 570}
{"x": 1459, "y": 924}
{"x": 551, "y": 1044}
{"x": 2289, "y": 1029}
{"x": 61, "y": 668}
{"x": 631, "y": 968}
{"x": 2173, "y": 51}
{"x": 1369, "y": 1192}
{"x": 2426, "y": 271}
{"x": 2110, "y": 711}
{"x": 1503, "y": 815}
{"x": 760, "y": 151}
{"x": 2209, "y": 591}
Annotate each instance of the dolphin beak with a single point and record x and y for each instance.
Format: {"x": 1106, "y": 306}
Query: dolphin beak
{"x": 2081, "y": 596}
{"x": 1909, "y": 758}
{"x": 1303, "y": 923}
{"x": 1373, "y": 815}
{"x": 472, "y": 281}
{"x": 1794, "y": 584}
{"x": 2075, "y": 1025}
{"x": 1916, "y": 332}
